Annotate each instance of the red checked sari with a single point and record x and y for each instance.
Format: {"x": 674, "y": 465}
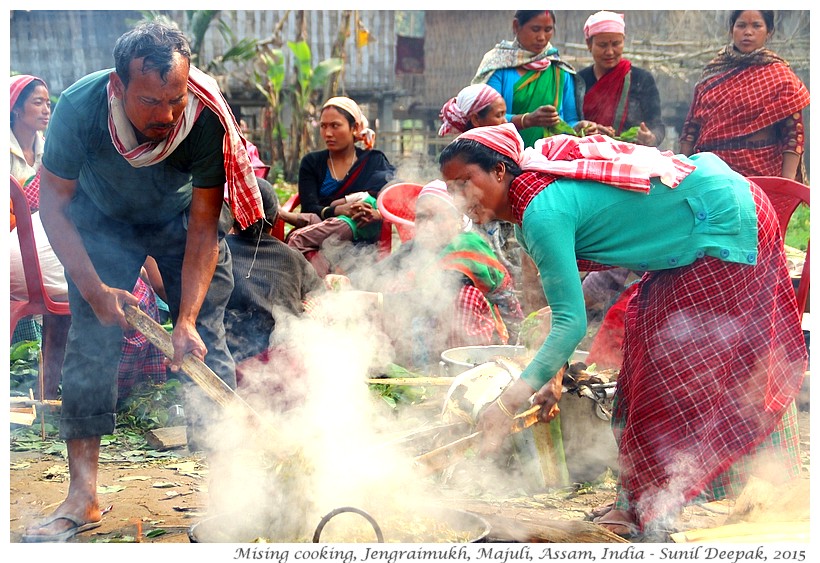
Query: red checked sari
{"x": 606, "y": 101}
{"x": 739, "y": 95}
{"x": 693, "y": 403}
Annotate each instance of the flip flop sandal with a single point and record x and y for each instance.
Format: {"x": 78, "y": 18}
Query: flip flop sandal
{"x": 77, "y": 527}
{"x": 632, "y": 531}
{"x": 599, "y": 511}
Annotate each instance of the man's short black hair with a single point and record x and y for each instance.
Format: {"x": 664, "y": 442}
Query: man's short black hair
{"x": 154, "y": 41}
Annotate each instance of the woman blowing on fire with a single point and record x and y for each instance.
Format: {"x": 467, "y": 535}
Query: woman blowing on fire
{"x": 713, "y": 352}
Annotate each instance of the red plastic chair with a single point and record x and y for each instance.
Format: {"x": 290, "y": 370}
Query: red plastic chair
{"x": 786, "y": 196}
{"x": 39, "y": 302}
{"x": 385, "y": 237}
{"x": 279, "y": 226}
{"x": 397, "y": 204}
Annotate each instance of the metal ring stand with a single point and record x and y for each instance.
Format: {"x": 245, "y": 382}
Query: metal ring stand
{"x": 326, "y": 518}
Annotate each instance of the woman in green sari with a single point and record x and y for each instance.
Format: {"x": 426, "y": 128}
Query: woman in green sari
{"x": 538, "y": 87}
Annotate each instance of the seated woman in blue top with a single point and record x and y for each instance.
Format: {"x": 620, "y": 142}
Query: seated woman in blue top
{"x": 538, "y": 87}
{"x": 338, "y": 186}
{"x": 713, "y": 352}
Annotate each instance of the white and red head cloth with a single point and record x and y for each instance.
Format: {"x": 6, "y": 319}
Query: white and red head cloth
{"x": 502, "y": 138}
{"x": 18, "y": 84}
{"x": 594, "y": 157}
{"x": 604, "y": 22}
{"x": 456, "y": 112}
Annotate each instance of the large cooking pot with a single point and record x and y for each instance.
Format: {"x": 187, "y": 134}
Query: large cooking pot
{"x": 458, "y": 360}
{"x": 243, "y": 528}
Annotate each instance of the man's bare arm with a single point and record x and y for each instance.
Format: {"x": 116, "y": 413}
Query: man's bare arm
{"x": 55, "y": 196}
{"x": 198, "y": 265}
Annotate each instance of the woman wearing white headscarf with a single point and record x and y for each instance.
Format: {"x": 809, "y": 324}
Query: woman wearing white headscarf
{"x": 476, "y": 105}
{"x": 338, "y": 186}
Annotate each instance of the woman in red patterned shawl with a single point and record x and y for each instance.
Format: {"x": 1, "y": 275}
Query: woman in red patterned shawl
{"x": 618, "y": 96}
{"x": 748, "y": 104}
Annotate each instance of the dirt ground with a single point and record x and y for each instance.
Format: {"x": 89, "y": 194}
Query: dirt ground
{"x": 157, "y": 500}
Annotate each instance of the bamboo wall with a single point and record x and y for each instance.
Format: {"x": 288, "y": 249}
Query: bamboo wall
{"x": 62, "y": 46}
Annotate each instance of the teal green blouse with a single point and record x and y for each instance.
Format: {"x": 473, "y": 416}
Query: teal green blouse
{"x": 710, "y": 213}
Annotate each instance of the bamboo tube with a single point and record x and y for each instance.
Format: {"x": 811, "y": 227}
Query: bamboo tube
{"x": 411, "y": 381}
{"x": 192, "y": 366}
{"x": 26, "y": 402}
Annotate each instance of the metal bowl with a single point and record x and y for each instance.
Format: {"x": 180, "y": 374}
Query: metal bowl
{"x": 457, "y": 360}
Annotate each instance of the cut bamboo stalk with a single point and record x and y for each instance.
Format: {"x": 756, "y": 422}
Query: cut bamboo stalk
{"x": 192, "y": 366}
{"x": 41, "y": 381}
{"x": 445, "y": 456}
{"x": 26, "y": 402}
{"x": 410, "y": 381}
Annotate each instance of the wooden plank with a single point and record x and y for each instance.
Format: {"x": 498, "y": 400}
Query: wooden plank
{"x": 168, "y": 438}
{"x": 748, "y": 532}
{"x": 25, "y": 418}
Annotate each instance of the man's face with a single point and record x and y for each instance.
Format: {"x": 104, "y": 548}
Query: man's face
{"x": 153, "y": 105}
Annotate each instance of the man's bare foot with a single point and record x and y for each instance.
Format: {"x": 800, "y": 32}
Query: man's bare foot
{"x": 619, "y": 522}
{"x": 77, "y": 514}
{"x": 81, "y": 509}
